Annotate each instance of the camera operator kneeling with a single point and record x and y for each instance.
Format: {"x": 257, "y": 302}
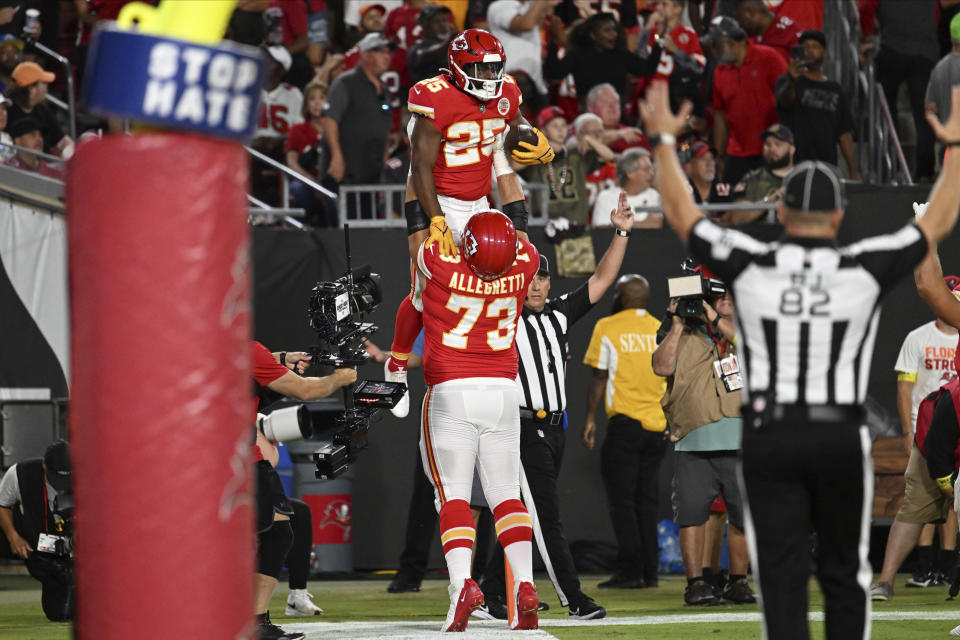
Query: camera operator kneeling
{"x": 36, "y": 513}
{"x": 275, "y": 536}
{"x": 697, "y": 355}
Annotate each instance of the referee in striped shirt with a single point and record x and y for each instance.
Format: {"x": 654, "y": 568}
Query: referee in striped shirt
{"x": 542, "y": 349}
{"x": 808, "y": 311}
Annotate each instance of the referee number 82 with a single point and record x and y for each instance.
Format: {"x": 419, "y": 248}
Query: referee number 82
{"x": 796, "y": 301}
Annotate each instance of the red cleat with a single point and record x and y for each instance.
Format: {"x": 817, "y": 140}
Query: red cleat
{"x": 465, "y": 602}
{"x": 527, "y": 604}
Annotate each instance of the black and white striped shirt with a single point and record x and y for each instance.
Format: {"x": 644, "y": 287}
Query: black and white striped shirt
{"x": 542, "y": 349}
{"x": 807, "y": 309}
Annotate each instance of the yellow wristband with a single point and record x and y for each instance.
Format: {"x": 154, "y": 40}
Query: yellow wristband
{"x": 945, "y": 483}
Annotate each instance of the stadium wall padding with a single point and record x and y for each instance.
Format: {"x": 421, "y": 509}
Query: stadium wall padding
{"x": 34, "y": 313}
{"x": 287, "y": 264}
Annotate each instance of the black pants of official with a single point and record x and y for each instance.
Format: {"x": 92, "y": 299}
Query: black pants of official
{"x": 421, "y": 523}
{"x": 541, "y": 452}
{"x": 802, "y": 478}
{"x": 630, "y": 465}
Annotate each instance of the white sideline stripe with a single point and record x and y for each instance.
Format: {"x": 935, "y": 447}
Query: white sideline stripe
{"x": 410, "y": 630}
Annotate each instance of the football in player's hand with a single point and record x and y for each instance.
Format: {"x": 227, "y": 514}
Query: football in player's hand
{"x": 517, "y": 134}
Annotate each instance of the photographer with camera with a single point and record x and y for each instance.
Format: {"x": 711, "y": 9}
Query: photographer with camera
{"x": 36, "y": 514}
{"x": 275, "y": 534}
{"x": 697, "y": 354}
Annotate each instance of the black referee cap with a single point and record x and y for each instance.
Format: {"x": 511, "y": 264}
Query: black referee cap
{"x": 544, "y": 269}
{"x": 813, "y": 186}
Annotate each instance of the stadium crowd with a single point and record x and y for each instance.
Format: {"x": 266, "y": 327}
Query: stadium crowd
{"x": 745, "y": 65}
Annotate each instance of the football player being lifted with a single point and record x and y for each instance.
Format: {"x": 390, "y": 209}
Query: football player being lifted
{"x": 457, "y": 135}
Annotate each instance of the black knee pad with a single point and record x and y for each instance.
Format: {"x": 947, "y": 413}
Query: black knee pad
{"x": 518, "y": 214}
{"x": 272, "y": 547}
{"x": 416, "y": 217}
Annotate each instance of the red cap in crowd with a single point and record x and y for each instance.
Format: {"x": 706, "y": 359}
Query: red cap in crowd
{"x": 549, "y": 113}
{"x": 373, "y": 5}
{"x": 699, "y": 149}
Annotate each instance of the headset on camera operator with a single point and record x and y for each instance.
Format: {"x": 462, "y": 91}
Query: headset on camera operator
{"x": 275, "y": 535}
{"x": 697, "y": 355}
{"x": 36, "y": 513}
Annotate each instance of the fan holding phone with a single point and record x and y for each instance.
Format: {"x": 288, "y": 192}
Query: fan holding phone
{"x": 815, "y": 108}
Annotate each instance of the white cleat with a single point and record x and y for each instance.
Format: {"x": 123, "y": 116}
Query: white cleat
{"x": 300, "y": 603}
{"x": 955, "y": 631}
{"x": 402, "y": 408}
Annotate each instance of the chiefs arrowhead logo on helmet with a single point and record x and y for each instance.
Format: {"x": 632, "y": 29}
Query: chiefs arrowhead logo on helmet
{"x": 477, "y": 62}
{"x": 490, "y": 244}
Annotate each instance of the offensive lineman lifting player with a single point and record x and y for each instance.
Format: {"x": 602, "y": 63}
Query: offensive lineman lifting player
{"x": 471, "y": 410}
{"x": 461, "y": 117}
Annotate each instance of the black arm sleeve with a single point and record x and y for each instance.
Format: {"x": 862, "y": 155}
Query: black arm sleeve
{"x": 725, "y": 251}
{"x": 687, "y": 64}
{"x": 942, "y": 438}
{"x": 890, "y": 257}
{"x": 644, "y": 65}
{"x": 574, "y": 304}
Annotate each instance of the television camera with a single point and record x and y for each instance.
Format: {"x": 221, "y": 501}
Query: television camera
{"x": 692, "y": 288}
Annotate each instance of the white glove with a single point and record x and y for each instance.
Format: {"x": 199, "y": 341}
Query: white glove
{"x": 919, "y": 209}
{"x": 561, "y": 224}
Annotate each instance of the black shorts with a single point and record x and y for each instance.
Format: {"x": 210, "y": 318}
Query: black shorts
{"x": 698, "y": 477}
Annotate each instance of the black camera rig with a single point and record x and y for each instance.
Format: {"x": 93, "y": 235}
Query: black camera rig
{"x": 336, "y": 313}
{"x": 691, "y": 289}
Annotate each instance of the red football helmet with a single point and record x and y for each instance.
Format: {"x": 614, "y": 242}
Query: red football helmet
{"x": 475, "y": 52}
{"x": 489, "y": 244}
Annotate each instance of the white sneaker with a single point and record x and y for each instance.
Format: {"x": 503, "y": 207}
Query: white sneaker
{"x": 402, "y": 408}
{"x": 300, "y": 603}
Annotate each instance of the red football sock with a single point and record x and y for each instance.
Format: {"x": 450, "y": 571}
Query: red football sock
{"x": 408, "y": 325}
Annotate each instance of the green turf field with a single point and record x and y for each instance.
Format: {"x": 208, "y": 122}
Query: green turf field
{"x": 913, "y": 614}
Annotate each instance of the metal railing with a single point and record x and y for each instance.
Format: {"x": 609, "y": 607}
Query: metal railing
{"x": 383, "y": 207}
{"x": 879, "y": 152}
{"x": 71, "y": 105}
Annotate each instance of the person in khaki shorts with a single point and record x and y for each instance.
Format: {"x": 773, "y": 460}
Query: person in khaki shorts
{"x": 923, "y": 503}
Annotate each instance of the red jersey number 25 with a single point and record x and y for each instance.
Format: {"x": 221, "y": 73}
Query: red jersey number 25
{"x": 467, "y": 139}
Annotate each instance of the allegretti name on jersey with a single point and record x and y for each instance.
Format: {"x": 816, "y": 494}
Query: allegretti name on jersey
{"x": 214, "y": 89}
{"x": 470, "y": 284}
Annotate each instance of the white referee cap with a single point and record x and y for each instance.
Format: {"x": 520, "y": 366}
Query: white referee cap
{"x": 813, "y": 186}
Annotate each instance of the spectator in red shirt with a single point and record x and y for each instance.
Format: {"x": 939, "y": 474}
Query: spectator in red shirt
{"x": 806, "y": 13}
{"x": 763, "y": 26}
{"x": 682, "y": 61}
{"x": 744, "y": 98}
{"x": 287, "y": 26}
{"x": 26, "y": 133}
{"x": 404, "y": 25}
{"x": 304, "y": 153}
